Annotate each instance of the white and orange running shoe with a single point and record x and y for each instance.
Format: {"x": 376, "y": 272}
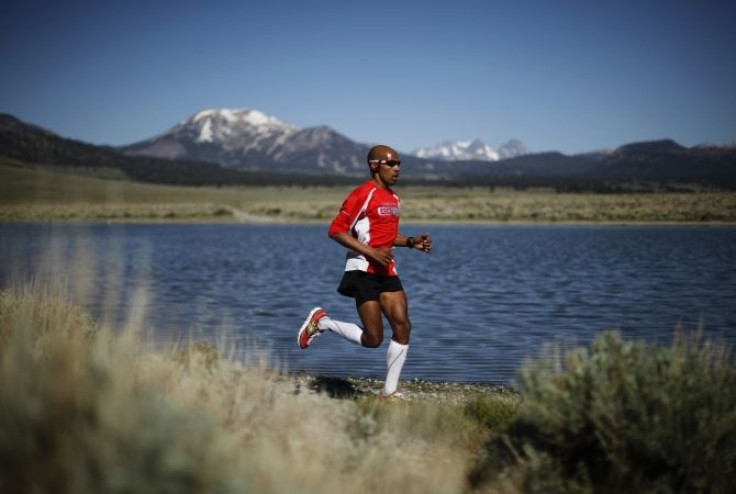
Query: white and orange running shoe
{"x": 309, "y": 329}
{"x": 395, "y": 397}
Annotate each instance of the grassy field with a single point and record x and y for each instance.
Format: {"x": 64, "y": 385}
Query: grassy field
{"x": 85, "y": 409}
{"x": 40, "y": 194}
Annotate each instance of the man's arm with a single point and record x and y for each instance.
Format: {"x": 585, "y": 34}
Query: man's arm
{"x": 423, "y": 242}
{"x": 339, "y": 229}
{"x": 381, "y": 256}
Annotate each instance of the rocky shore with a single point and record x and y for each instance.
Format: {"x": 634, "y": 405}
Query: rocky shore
{"x": 414, "y": 389}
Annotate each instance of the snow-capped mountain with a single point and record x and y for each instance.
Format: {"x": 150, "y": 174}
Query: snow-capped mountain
{"x": 475, "y": 150}
{"x": 251, "y": 139}
{"x": 459, "y": 150}
{"x": 512, "y": 149}
{"x": 229, "y": 127}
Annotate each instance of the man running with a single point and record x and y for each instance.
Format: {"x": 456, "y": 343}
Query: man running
{"x": 368, "y": 226}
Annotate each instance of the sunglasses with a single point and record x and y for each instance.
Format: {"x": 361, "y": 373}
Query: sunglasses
{"x": 391, "y": 163}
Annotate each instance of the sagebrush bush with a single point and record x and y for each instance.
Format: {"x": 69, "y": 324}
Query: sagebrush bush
{"x": 622, "y": 417}
{"x": 494, "y": 414}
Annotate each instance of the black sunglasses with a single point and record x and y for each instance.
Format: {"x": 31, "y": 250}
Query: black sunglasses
{"x": 391, "y": 163}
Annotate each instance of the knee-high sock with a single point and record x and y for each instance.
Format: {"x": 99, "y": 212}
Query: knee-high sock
{"x": 349, "y": 331}
{"x": 395, "y": 358}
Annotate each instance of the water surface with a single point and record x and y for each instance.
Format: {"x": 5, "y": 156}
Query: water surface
{"x": 486, "y": 298}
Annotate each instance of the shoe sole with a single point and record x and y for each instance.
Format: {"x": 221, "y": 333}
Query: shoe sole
{"x": 304, "y": 328}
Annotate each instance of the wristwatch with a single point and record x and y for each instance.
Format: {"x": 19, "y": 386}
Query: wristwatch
{"x": 410, "y": 242}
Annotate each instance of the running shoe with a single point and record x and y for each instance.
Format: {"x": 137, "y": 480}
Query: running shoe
{"x": 394, "y": 397}
{"x": 309, "y": 329}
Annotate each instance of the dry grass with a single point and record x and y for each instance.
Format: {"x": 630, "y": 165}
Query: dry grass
{"x": 38, "y": 194}
{"x": 84, "y": 408}
{"x": 548, "y": 206}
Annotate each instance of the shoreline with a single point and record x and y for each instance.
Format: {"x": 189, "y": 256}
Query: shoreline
{"x": 38, "y": 196}
{"x": 268, "y": 221}
{"x": 416, "y": 390}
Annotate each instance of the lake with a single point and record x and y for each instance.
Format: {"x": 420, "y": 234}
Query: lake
{"x": 485, "y": 299}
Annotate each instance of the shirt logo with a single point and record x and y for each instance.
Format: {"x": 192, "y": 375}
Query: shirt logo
{"x": 388, "y": 210}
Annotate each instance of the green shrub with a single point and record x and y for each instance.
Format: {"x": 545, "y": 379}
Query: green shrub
{"x": 622, "y": 417}
{"x": 492, "y": 413}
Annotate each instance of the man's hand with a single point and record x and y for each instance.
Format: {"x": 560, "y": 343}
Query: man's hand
{"x": 381, "y": 256}
{"x": 423, "y": 242}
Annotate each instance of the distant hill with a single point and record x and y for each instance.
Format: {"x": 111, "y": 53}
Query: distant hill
{"x": 279, "y": 153}
{"x": 666, "y": 159}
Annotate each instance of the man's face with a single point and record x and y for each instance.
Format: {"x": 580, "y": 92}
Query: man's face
{"x": 388, "y": 172}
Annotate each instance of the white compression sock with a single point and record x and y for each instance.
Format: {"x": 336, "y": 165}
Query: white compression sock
{"x": 349, "y": 331}
{"x": 395, "y": 358}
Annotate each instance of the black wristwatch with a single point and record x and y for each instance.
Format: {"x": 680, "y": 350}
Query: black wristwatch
{"x": 410, "y": 242}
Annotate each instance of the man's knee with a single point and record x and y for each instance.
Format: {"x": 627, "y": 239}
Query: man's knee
{"x": 406, "y": 326}
{"x": 401, "y": 331}
{"x": 369, "y": 340}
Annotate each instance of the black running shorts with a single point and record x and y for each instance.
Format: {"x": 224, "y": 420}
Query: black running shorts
{"x": 364, "y": 286}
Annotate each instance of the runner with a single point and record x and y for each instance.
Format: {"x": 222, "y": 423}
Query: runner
{"x": 368, "y": 226}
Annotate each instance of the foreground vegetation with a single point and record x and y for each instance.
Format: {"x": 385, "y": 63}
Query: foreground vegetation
{"x": 30, "y": 193}
{"x": 83, "y": 410}
{"x": 621, "y": 417}
{"x": 87, "y": 409}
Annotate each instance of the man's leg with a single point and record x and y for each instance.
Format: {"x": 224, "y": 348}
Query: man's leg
{"x": 370, "y": 335}
{"x": 395, "y": 307}
{"x": 370, "y": 315}
{"x": 349, "y": 331}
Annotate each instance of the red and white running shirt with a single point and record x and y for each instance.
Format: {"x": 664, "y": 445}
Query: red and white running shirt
{"x": 371, "y": 215}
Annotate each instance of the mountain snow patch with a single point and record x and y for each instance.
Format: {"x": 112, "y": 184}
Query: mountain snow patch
{"x": 205, "y": 133}
{"x": 459, "y": 150}
{"x": 475, "y": 150}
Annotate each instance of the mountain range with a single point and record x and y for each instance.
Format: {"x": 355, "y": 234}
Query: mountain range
{"x": 247, "y": 146}
{"x": 250, "y": 139}
{"x": 472, "y": 150}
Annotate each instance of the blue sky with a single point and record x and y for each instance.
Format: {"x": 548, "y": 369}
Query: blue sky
{"x": 565, "y": 75}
